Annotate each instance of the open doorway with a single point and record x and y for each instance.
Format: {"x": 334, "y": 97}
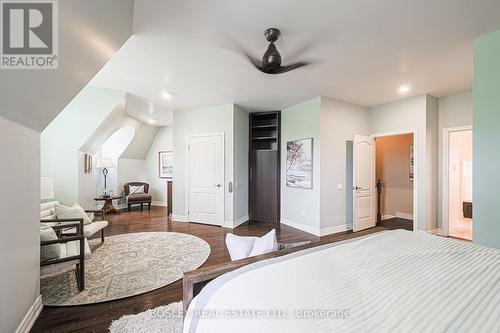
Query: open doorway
{"x": 395, "y": 180}
{"x": 457, "y": 177}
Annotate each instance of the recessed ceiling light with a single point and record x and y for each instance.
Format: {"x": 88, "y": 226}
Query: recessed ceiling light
{"x": 166, "y": 95}
{"x": 153, "y": 121}
{"x": 403, "y": 89}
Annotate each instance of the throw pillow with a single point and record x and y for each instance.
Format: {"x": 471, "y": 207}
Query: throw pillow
{"x": 74, "y": 212}
{"x": 137, "y": 189}
{"x": 52, "y": 251}
{"x": 239, "y": 247}
{"x": 265, "y": 244}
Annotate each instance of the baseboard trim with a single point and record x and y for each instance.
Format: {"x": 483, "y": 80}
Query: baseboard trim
{"x": 333, "y": 230}
{"x": 159, "y": 203}
{"x": 405, "y": 216}
{"x": 179, "y": 218}
{"x": 240, "y": 221}
{"x": 300, "y": 226}
{"x": 31, "y": 316}
{"x": 387, "y": 217}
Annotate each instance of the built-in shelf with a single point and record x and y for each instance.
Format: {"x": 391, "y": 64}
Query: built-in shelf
{"x": 265, "y": 126}
{"x": 264, "y": 168}
{"x": 265, "y": 138}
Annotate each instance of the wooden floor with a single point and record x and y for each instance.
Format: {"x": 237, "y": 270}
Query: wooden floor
{"x": 397, "y": 223}
{"x": 98, "y": 317}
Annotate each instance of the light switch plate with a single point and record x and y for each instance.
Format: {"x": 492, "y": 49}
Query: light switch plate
{"x": 340, "y": 187}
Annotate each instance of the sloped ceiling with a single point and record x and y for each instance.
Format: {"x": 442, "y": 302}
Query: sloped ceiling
{"x": 90, "y": 32}
{"x": 141, "y": 143}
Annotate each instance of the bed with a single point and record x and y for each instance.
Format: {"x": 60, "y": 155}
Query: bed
{"x": 391, "y": 281}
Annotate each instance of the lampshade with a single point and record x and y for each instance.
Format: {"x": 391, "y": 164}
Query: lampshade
{"x": 105, "y": 163}
{"x": 46, "y": 188}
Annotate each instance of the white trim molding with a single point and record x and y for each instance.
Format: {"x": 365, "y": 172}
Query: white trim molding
{"x": 179, "y": 218}
{"x": 300, "y": 226}
{"x": 333, "y": 230}
{"x": 159, "y": 203}
{"x": 316, "y": 231}
{"x": 387, "y": 217}
{"x": 444, "y": 230}
{"x": 240, "y": 221}
{"x": 405, "y": 216}
{"x": 31, "y": 316}
{"x": 415, "y": 167}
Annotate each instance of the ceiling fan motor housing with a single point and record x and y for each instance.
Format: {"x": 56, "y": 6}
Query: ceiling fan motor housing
{"x": 272, "y": 58}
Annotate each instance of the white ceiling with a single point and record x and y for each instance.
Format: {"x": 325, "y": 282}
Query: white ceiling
{"x": 365, "y": 50}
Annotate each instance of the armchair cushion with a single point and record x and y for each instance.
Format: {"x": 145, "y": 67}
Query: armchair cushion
{"x": 52, "y": 251}
{"x": 90, "y": 229}
{"x": 73, "y": 212}
{"x": 139, "y": 197}
{"x": 68, "y": 249}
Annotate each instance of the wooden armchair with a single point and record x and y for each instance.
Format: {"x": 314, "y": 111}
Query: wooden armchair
{"x": 137, "y": 198}
{"x": 74, "y": 249}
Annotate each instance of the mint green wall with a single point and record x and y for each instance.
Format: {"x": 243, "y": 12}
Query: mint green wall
{"x": 486, "y": 140}
{"x": 301, "y": 206}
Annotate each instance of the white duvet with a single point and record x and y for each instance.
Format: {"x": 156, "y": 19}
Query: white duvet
{"x": 394, "y": 281}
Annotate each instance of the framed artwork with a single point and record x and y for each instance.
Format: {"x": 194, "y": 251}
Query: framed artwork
{"x": 411, "y": 162}
{"x": 299, "y": 163}
{"x": 166, "y": 164}
{"x": 87, "y": 163}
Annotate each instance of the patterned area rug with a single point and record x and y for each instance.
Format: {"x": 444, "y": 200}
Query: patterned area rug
{"x": 128, "y": 265}
{"x": 163, "y": 319}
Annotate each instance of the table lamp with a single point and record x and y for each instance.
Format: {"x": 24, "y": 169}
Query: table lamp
{"x": 104, "y": 164}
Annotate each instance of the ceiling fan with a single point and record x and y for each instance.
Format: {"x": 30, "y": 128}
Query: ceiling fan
{"x": 271, "y": 60}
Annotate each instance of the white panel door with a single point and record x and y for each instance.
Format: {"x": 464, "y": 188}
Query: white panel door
{"x": 364, "y": 192}
{"x": 206, "y": 179}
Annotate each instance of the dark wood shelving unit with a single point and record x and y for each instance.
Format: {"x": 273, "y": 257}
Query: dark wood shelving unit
{"x": 264, "y": 167}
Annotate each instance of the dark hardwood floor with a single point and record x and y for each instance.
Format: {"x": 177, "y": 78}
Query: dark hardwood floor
{"x": 98, "y": 317}
{"x": 397, "y": 223}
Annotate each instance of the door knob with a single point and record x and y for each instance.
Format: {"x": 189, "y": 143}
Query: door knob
{"x": 218, "y": 185}
{"x": 357, "y": 188}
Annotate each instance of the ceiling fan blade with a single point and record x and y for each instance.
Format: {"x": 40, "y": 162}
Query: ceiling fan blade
{"x": 229, "y": 43}
{"x": 288, "y": 68}
{"x": 299, "y": 53}
{"x": 254, "y": 61}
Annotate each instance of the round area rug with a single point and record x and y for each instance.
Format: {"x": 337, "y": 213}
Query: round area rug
{"x": 128, "y": 265}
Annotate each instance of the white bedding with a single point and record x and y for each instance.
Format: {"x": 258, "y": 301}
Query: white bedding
{"x": 394, "y": 281}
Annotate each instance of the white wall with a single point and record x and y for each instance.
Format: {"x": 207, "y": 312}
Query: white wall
{"x": 62, "y": 139}
{"x": 412, "y": 114}
{"x": 19, "y": 228}
{"x": 131, "y": 170}
{"x": 454, "y": 111}
{"x": 146, "y": 169}
{"x": 205, "y": 120}
{"x": 431, "y": 189}
{"x": 114, "y": 146}
{"x": 300, "y": 208}
{"x": 339, "y": 123}
{"x": 240, "y": 186}
{"x": 158, "y": 186}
